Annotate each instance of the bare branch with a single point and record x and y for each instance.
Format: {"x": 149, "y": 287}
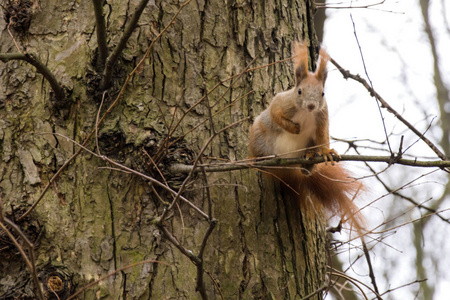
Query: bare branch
{"x": 274, "y": 161}
{"x": 188, "y": 253}
{"x": 29, "y": 261}
{"x": 405, "y": 223}
{"x": 12, "y": 37}
{"x": 238, "y": 75}
{"x": 194, "y": 166}
{"x": 355, "y": 282}
{"x": 404, "y": 285}
{"x": 200, "y": 270}
{"x": 40, "y": 68}
{"x": 107, "y": 112}
{"x": 409, "y": 199}
{"x": 347, "y": 5}
{"x": 112, "y": 59}
{"x": 114, "y": 273}
{"x": 389, "y": 108}
{"x": 371, "y": 85}
{"x": 369, "y": 264}
{"x": 442, "y": 92}
{"x": 101, "y": 34}
{"x": 316, "y": 292}
{"x": 216, "y": 284}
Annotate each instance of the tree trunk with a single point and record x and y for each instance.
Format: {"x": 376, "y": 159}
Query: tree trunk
{"x": 96, "y": 219}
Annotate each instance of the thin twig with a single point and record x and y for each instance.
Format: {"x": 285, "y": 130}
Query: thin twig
{"x": 192, "y": 171}
{"x": 318, "y": 291}
{"x": 129, "y": 170}
{"x": 220, "y": 83}
{"x": 404, "y": 285}
{"x": 212, "y": 224}
{"x": 206, "y": 119}
{"x": 97, "y": 123}
{"x": 29, "y": 261}
{"x": 208, "y": 194}
{"x": 347, "y": 6}
{"x": 114, "y": 273}
{"x": 166, "y": 183}
{"x": 200, "y": 269}
{"x": 408, "y": 222}
{"x": 188, "y": 253}
{"x": 371, "y": 86}
{"x": 12, "y": 36}
{"x": 398, "y": 194}
{"x": 215, "y": 284}
{"x": 356, "y": 282}
{"x": 369, "y": 264}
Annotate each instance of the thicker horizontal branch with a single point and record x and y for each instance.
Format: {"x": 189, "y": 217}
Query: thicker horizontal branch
{"x": 272, "y": 162}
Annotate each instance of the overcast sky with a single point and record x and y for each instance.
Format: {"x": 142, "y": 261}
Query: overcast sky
{"x": 398, "y": 60}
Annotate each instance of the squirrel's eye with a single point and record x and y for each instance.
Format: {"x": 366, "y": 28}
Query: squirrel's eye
{"x": 299, "y": 91}
{"x": 323, "y": 94}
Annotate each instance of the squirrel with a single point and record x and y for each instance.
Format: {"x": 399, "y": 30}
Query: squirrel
{"x": 296, "y": 125}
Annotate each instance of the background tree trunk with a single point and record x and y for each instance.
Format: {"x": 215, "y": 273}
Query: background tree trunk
{"x": 95, "y": 219}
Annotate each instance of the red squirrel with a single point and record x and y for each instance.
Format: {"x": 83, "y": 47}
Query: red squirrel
{"x": 296, "y": 125}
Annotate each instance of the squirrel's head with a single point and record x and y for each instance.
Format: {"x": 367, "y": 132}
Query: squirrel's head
{"x": 309, "y": 87}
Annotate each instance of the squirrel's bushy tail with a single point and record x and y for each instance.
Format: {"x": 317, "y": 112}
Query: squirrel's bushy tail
{"x": 327, "y": 186}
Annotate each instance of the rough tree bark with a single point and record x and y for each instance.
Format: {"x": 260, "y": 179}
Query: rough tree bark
{"x": 95, "y": 219}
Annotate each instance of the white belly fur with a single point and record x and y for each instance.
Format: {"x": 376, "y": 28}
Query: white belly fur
{"x": 287, "y": 144}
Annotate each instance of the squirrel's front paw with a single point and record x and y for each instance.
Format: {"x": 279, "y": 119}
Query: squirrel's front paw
{"x": 293, "y": 127}
{"x": 327, "y": 153}
{"x": 289, "y": 126}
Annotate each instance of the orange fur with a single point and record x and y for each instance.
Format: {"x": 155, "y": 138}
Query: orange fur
{"x": 295, "y": 120}
{"x": 327, "y": 186}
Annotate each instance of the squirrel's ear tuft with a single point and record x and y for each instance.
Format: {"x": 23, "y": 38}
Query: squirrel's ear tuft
{"x": 321, "y": 72}
{"x": 300, "y": 54}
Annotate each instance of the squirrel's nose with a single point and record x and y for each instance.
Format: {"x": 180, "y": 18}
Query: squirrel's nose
{"x": 311, "y": 106}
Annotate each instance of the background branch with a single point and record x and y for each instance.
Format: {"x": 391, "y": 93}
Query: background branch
{"x": 386, "y": 105}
